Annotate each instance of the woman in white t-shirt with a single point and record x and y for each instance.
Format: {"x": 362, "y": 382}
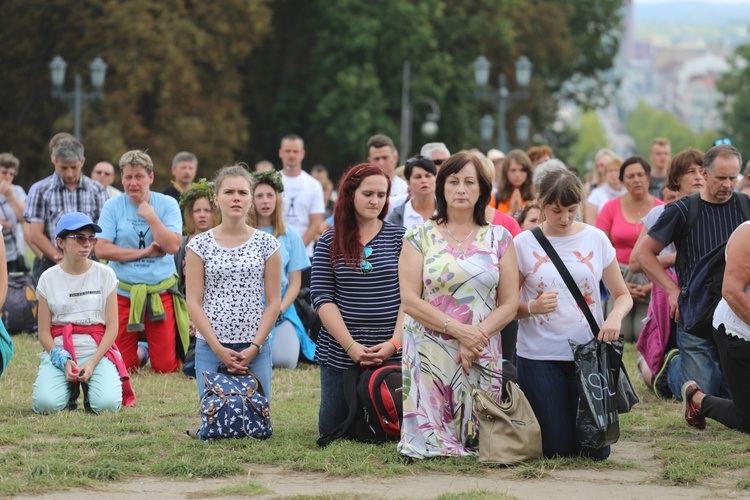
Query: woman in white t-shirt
{"x": 549, "y": 316}
{"x": 230, "y": 269}
{"x": 78, "y": 324}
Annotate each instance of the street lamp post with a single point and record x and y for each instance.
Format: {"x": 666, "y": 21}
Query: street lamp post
{"x": 77, "y": 98}
{"x": 429, "y": 127}
{"x": 501, "y": 97}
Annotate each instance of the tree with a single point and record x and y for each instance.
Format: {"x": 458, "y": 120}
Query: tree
{"x": 735, "y": 86}
{"x": 334, "y": 67}
{"x": 590, "y": 139}
{"x": 226, "y": 80}
{"x": 172, "y": 84}
{"x": 646, "y": 124}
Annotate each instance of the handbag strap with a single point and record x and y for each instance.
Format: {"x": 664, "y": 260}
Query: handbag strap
{"x": 567, "y": 278}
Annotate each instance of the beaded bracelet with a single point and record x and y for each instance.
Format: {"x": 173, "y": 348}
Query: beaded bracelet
{"x": 59, "y": 357}
{"x": 445, "y": 325}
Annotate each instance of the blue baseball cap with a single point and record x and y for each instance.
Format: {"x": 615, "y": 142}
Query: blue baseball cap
{"x": 74, "y": 221}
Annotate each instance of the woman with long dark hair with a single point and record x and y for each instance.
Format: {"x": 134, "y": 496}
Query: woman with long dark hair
{"x": 517, "y": 185}
{"x": 355, "y": 287}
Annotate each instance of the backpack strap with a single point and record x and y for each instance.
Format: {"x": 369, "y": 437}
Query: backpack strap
{"x": 744, "y": 205}
{"x": 567, "y": 278}
{"x": 378, "y": 378}
{"x": 694, "y": 209}
{"x": 349, "y": 386}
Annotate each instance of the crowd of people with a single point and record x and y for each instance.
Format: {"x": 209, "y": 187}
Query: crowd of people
{"x": 431, "y": 265}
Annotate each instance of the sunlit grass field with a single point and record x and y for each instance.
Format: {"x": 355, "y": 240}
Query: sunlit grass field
{"x": 40, "y": 453}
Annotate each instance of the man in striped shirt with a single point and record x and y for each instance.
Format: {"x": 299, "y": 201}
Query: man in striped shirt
{"x": 66, "y": 190}
{"x": 720, "y": 214}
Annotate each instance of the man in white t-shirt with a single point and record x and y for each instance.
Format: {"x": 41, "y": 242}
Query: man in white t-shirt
{"x": 382, "y": 152}
{"x": 303, "y": 195}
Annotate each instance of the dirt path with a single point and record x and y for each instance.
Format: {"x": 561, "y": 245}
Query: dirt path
{"x": 602, "y": 485}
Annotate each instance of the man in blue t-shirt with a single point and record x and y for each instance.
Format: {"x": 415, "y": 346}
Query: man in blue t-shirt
{"x": 140, "y": 234}
{"x": 720, "y": 214}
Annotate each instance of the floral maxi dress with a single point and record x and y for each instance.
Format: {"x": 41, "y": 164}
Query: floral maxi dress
{"x": 439, "y": 416}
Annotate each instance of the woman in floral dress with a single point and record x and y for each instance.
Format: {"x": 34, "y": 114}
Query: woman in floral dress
{"x": 459, "y": 287}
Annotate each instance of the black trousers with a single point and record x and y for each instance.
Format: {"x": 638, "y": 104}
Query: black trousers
{"x": 734, "y": 356}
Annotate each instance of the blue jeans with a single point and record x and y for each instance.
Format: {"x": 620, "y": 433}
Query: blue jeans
{"x": 207, "y": 361}
{"x": 333, "y": 409}
{"x": 552, "y": 391}
{"x": 698, "y": 360}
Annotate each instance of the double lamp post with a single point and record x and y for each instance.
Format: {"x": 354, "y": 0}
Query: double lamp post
{"x": 77, "y": 98}
{"x": 501, "y": 97}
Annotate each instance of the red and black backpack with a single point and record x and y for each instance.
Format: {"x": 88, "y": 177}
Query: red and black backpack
{"x": 375, "y": 404}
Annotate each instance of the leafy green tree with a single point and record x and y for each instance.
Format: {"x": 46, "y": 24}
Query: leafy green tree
{"x": 646, "y": 124}
{"x": 735, "y": 86}
{"x": 334, "y": 67}
{"x": 226, "y": 80}
{"x": 590, "y": 139}
{"x": 173, "y": 81}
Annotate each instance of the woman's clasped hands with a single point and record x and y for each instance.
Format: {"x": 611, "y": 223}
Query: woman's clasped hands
{"x": 367, "y": 357}
{"x": 472, "y": 341}
{"x": 236, "y": 362}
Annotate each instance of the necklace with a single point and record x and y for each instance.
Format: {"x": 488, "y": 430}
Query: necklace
{"x": 459, "y": 242}
{"x": 76, "y": 294}
{"x": 640, "y": 208}
{"x": 232, "y": 250}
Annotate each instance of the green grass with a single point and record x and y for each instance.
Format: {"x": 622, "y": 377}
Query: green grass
{"x": 42, "y": 453}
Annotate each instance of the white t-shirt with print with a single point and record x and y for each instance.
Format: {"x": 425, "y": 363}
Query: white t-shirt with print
{"x": 303, "y": 196}
{"x": 79, "y": 299}
{"x": 586, "y": 254}
{"x": 233, "y": 286}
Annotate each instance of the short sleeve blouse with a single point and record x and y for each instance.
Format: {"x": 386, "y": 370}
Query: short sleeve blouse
{"x": 233, "y": 287}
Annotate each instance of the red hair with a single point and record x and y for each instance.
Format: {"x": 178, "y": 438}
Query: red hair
{"x": 345, "y": 244}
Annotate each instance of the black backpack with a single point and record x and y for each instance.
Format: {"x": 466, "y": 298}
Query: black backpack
{"x": 20, "y": 308}
{"x": 306, "y": 313}
{"x": 375, "y": 404}
{"x": 702, "y": 293}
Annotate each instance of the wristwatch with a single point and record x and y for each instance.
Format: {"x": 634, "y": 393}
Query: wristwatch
{"x": 260, "y": 347}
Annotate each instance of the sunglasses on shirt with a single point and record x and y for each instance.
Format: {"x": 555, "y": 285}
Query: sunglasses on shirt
{"x": 365, "y": 266}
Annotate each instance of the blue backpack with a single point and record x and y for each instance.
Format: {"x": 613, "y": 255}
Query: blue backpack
{"x": 702, "y": 293}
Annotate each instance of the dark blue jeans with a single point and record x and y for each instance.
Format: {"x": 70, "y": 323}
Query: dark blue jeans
{"x": 551, "y": 389}
{"x": 333, "y": 410}
{"x": 699, "y": 361}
